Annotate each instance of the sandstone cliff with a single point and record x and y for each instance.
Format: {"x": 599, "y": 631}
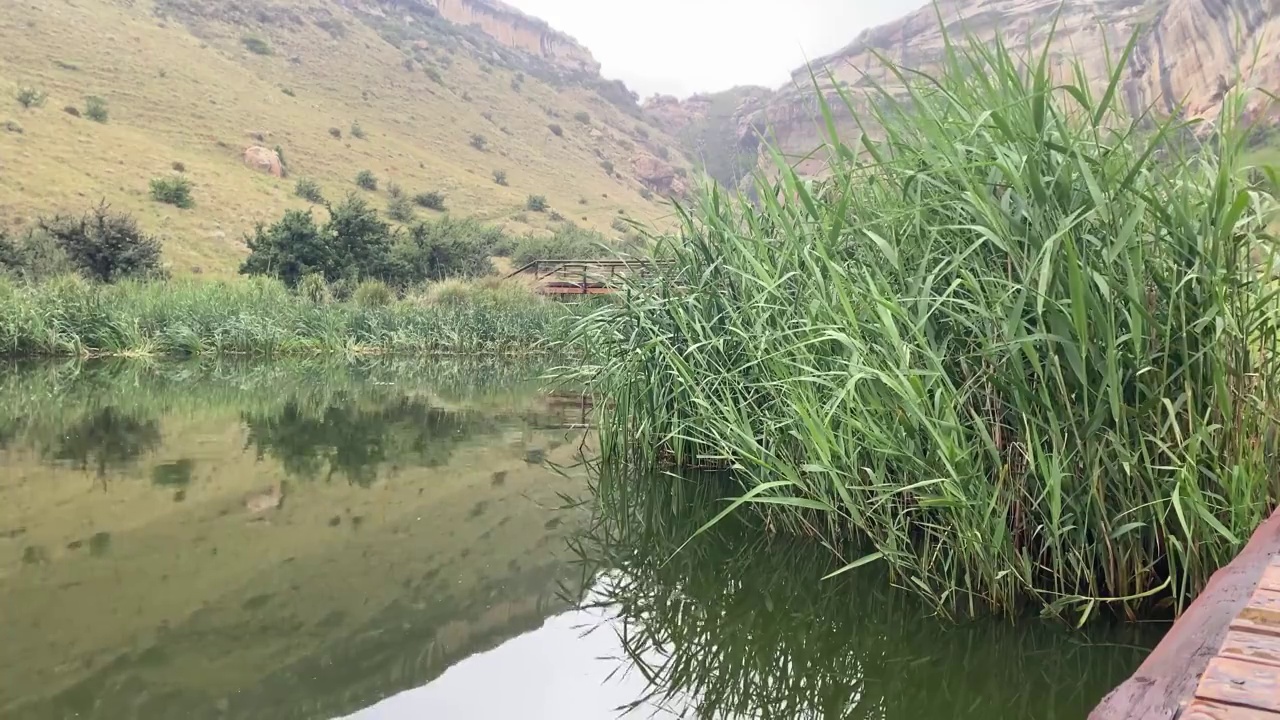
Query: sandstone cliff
{"x": 518, "y": 31}
{"x": 1189, "y": 53}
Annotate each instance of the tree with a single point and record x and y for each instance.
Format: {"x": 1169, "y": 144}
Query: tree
{"x": 443, "y": 249}
{"x": 290, "y": 249}
{"x": 361, "y": 241}
{"x": 105, "y": 246}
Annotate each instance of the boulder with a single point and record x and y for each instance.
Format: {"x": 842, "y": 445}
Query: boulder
{"x": 658, "y": 175}
{"x": 264, "y": 160}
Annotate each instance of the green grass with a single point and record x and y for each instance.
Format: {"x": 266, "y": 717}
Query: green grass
{"x": 1023, "y": 349}
{"x": 69, "y": 317}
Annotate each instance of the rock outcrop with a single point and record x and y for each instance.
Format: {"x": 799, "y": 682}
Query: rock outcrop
{"x": 1189, "y": 53}
{"x": 519, "y": 31}
{"x": 658, "y": 175}
{"x": 264, "y": 160}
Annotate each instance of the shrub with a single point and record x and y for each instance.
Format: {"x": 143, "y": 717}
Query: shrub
{"x": 95, "y": 108}
{"x": 174, "y": 190}
{"x": 34, "y": 257}
{"x": 105, "y": 246}
{"x": 567, "y": 243}
{"x": 621, "y": 225}
{"x": 555, "y": 216}
{"x": 608, "y": 167}
{"x": 71, "y": 110}
{"x": 357, "y": 132}
{"x": 642, "y": 133}
{"x": 372, "y": 293}
{"x": 256, "y": 45}
{"x": 288, "y": 91}
{"x": 430, "y": 200}
{"x": 556, "y": 129}
{"x": 521, "y": 217}
{"x": 445, "y": 248}
{"x": 335, "y": 133}
{"x": 308, "y": 190}
{"x": 536, "y": 203}
{"x": 314, "y": 289}
{"x": 681, "y": 172}
{"x": 646, "y": 193}
{"x": 284, "y": 164}
{"x": 434, "y": 75}
{"x": 487, "y": 115}
{"x": 400, "y": 209}
{"x": 515, "y": 85}
{"x": 13, "y": 126}
{"x": 663, "y": 152}
{"x": 366, "y": 180}
{"x": 354, "y": 243}
{"x": 394, "y": 190}
{"x": 583, "y": 117}
{"x": 179, "y": 166}
{"x": 29, "y": 97}
{"x": 500, "y": 177}
{"x": 479, "y": 141}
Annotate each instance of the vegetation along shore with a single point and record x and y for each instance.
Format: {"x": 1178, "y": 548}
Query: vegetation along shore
{"x": 1022, "y": 348}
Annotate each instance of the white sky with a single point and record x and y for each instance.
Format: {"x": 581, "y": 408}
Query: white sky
{"x": 681, "y": 47}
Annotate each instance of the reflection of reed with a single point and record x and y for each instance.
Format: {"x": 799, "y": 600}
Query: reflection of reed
{"x": 737, "y": 623}
{"x": 564, "y": 409}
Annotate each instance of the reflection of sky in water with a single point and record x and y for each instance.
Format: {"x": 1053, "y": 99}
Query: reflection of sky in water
{"x": 568, "y": 669}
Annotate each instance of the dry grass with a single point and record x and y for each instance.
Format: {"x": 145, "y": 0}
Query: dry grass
{"x": 177, "y": 97}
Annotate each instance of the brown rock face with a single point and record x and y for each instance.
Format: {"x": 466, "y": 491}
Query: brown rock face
{"x": 518, "y": 31}
{"x": 264, "y": 160}
{"x": 1189, "y": 53}
{"x": 657, "y": 175}
{"x": 673, "y": 115}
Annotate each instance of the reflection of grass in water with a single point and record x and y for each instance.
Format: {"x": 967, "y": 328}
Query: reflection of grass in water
{"x": 739, "y": 623}
{"x": 174, "y": 474}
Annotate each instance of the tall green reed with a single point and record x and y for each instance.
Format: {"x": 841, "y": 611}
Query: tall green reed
{"x": 1018, "y": 343}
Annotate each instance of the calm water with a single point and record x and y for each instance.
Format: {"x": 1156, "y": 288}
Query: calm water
{"x": 391, "y": 541}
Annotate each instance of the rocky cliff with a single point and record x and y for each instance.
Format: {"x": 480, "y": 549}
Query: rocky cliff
{"x": 1188, "y": 55}
{"x": 518, "y": 31}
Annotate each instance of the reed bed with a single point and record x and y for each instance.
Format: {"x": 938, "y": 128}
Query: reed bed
{"x": 1021, "y": 346}
{"x": 258, "y": 316}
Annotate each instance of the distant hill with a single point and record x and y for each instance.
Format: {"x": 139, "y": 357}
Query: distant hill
{"x": 1189, "y": 54}
{"x": 445, "y": 96}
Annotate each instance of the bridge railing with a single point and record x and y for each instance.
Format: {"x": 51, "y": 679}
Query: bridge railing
{"x": 585, "y": 276}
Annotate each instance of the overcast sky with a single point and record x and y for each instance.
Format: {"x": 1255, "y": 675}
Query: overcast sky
{"x": 681, "y": 47}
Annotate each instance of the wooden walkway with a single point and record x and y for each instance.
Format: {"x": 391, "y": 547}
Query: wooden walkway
{"x": 1242, "y": 682}
{"x": 1221, "y": 659}
{"x": 567, "y": 278}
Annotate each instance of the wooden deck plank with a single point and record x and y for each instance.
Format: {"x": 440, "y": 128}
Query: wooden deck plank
{"x": 1209, "y": 710}
{"x": 1246, "y": 684}
{"x": 1251, "y": 647}
{"x": 1261, "y": 614}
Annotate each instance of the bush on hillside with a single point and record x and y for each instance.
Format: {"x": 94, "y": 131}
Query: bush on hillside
{"x": 357, "y": 132}
{"x": 71, "y": 110}
{"x": 479, "y": 141}
{"x": 394, "y": 190}
{"x": 104, "y": 246}
{"x": 641, "y": 132}
{"x": 434, "y": 75}
{"x": 536, "y": 203}
{"x": 608, "y": 167}
{"x": 400, "y": 209}
{"x": 583, "y": 117}
{"x": 430, "y": 200}
{"x": 95, "y": 108}
{"x": 569, "y": 242}
{"x": 366, "y": 180}
{"x": 308, "y": 190}
{"x": 256, "y": 45}
{"x": 663, "y": 152}
{"x": 354, "y": 243}
{"x": 500, "y": 177}
{"x": 556, "y": 129}
{"x": 179, "y": 166}
{"x": 173, "y": 190}
{"x": 335, "y": 133}
{"x": 284, "y": 164}
{"x": 646, "y": 193}
{"x": 445, "y": 248}
{"x": 29, "y": 97}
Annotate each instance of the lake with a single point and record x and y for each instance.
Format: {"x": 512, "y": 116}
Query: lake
{"x": 396, "y": 539}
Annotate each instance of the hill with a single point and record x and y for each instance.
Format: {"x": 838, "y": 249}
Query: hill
{"x": 1188, "y": 55}
{"x": 431, "y": 97}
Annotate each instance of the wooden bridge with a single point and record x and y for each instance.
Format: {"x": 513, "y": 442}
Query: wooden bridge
{"x": 567, "y": 278}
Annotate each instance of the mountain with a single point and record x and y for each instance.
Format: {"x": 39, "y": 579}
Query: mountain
{"x": 445, "y": 93}
{"x": 1188, "y": 55}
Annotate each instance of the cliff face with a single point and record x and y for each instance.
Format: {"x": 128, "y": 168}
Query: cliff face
{"x": 518, "y": 31}
{"x": 1189, "y": 53}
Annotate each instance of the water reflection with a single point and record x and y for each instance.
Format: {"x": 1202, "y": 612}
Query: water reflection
{"x": 288, "y": 540}
{"x": 739, "y": 624}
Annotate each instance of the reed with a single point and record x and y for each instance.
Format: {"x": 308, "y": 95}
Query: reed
{"x": 1022, "y": 346}
{"x": 258, "y": 316}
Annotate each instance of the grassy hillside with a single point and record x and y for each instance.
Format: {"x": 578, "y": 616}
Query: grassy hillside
{"x": 197, "y": 83}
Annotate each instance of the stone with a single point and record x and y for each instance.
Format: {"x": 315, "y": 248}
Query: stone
{"x": 263, "y": 160}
